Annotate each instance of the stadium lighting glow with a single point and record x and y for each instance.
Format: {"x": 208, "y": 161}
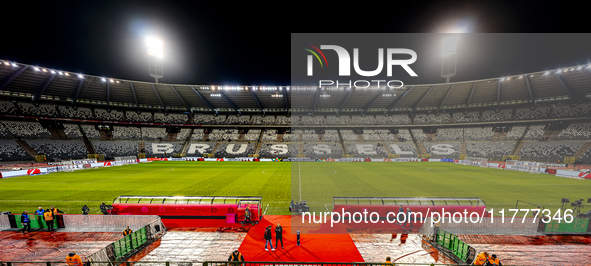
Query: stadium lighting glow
{"x": 36, "y": 69}
{"x": 572, "y": 69}
{"x": 509, "y": 78}
{"x": 449, "y": 45}
{"x": 520, "y": 77}
{"x": 154, "y": 47}
{"x": 6, "y": 63}
{"x": 559, "y": 71}
{"x": 503, "y": 79}
{"x": 103, "y": 79}
{"x": 579, "y": 68}
{"x": 546, "y": 73}
{"x": 52, "y": 72}
{"x": 44, "y": 70}
{"x": 80, "y": 76}
{"x": 111, "y": 80}
{"x": 14, "y": 65}
{"x": 117, "y": 81}
{"x": 61, "y": 73}
{"x": 66, "y": 73}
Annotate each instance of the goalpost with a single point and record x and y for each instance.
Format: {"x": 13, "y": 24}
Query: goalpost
{"x": 122, "y": 160}
{"x": 525, "y": 166}
{"x": 482, "y": 162}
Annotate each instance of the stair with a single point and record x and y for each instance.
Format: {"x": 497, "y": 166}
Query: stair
{"x": 421, "y": 148}
{"x": 396, "y": 137}
{"x": 141, "y": 146}
{"x": 185, "y": 146}
{"x": 360, "y": 137}
{"x": 89, "y": 147}
{"x": 343, "y": 146}
{"x": 57, "y": 133}
{"x": 431, "y": 137}
{"x": 280, "y": 137}
{"x": 582, "y": 150}
{"x": 300, "y": 148}
{"x": 240, "y": 137}
{"x": 171, "y": 136}
{"x": 500, "y": 136}
{"x": 26, "y": 147}
{"x": 387, "y": 149}
{"x": 321, "y": 137}
{"x": 517, "y": 148}
{"x": 215, "y": 148}
{"x": 205, "y": 137}
{"x": 463, "y": 148}
{"x": 554, "y": 134}
{"x": 258, "y": 148}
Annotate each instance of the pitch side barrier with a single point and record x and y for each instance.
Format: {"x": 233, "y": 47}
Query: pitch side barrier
{"x": 68, "y": 166}
{"x": 225, "y": 263}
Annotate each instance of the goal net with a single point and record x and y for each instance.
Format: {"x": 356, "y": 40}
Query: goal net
{"x": 124, "y": 160}
{"x": 482, "y": 162}
{"x": 525, "y": 166}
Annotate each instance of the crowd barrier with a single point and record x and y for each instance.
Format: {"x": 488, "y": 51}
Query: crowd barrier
{"x": 4, "y": 222}
{"x": 108, "y": 221}
{"x": 67, "y": 167}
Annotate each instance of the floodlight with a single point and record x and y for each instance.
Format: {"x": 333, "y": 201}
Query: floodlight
{"x": 579, "y": 68}
{"x": 44, "y": 70}
{"x": 61, "y": 73}
{"x": 520, "y": 77}
{"x": 589, "y": 66}
{"x": 572, "y": 69}
{"x": 6, "y": 63}
{"x": 111, "y": 80}
{"x": 36, "y": 68}
{"x": 509, "y": 78}
{"x": 154, "y": 47}
{"x": 117, "y": 81}
{"x": 103, "y": 79}
{"x": 559, "y": 71}
{"x": 14, "y": 65}
{"x": 80, "y": 76}
{"x": 503, "y": 79}
{"x": 546, "y": 73}
{"x": 66, "y": 73}
{"x": 52, "y": 72}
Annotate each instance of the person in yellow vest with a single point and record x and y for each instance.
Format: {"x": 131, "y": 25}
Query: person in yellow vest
{"x": 127, "y": 231}
{"x": 236, "y": 256}
{"x": 55, "y": 212}
{"x": 48, "y": 216}
{"x": 388, "y": 260}
{"x": 492, "y": 260}
{"x": 73, "y": 260}
{"x": 481, "y": 258}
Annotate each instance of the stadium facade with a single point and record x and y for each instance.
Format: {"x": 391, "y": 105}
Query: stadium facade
{"x": 543, "y": 116}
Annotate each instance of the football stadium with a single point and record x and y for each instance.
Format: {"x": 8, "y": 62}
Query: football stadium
{"x": 100, "y": 170}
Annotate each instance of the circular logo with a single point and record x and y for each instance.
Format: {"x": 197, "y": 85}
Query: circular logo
{"x": 162, "y": 210}
{"x": 231, "y": 210}
{"x": 144, "y": 209}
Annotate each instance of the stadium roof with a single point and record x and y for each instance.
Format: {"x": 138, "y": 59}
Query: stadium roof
{"x": 35, "y": 84}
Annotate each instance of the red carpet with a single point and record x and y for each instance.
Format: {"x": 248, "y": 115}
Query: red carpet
{"x": 314, "y": 247}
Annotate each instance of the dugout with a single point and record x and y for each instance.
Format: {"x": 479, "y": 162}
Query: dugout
{"x": 191, "y": 211}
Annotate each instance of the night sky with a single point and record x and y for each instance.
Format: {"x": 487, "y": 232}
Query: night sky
{"x": 231, "y": 43}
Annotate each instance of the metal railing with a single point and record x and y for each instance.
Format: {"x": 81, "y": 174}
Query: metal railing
{"x": 225, "y": 263}
{"x": 108, "y": 221}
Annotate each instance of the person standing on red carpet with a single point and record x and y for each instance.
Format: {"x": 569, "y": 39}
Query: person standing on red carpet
{"x": 278, "y": 235}
{"x": 268, "y": 238}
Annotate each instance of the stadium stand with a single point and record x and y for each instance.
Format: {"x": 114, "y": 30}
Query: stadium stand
{"x": 114, "y": 115}
{"x": 331, "y": 136}
{"x": 120, "y": 133}
{"x": 41, "y": 110}
{"x": 527, "y": 113}
{"x": 80, "y": 112}
{"x": 393, "y": 120}
{"x": 340, "y": 120}
{"x": 141, "y": 117}
{"x": 7, "y": 108}
{"x": 59, "y": 149}
{"x": 215, "y": 135}
{"x": 549, "y": 151}
{"x": 198, "y": 149}
{"x": 450, "y": 134}
{"x": 153, "y": 133}
{"x": 404, "y": 135}
{"x": 259, "y": 120}
{"x": 309, "y": 120}
{"x": 478, "y": 133}
{"x": 534, "y": 132}
{"x": 235, "y": 120}
{"x": 72, "y": 131}
{"x": 385, "y": 135}
{"x": 516, "y": 132}
{"x": 469, "y": 117}
{"x": 367, "y": 150}
{"x": 442, "y": 150}
{"x": 230, "y": 135}
{"x": 348, "y": 135}
{"x": 235, "y": 149}
{"x": 270, "y": 135}
{"x": 363, "y": 120}
{"x": 5, "y": 133}
{"x": 576, "y": 131}
{"x": 91, "y": 132}
{"x": 418, "y": 134}
{"x": 502, "y": 115}
{"x": 323, "y": 150}
{"x": 198, "y": 135}
{"x": 275, "y": 150}
{"x": 421, "y": 119}
{"x": 162, "y": 149}
{"x": 252, "y": 135}
{"x": 568, "y": 111}
{"x": 370, "y": 135}
{"x": 494, "y": 150}
{"x": 27, "y": 130}
{"x": 309, "y": 136}
{"x": 12, "y": 151}
{"x": 287, "y": 137}
{"x": 283, "y": 120}
{"x": 170, "y": 118}
{"x": 183, "y": 134}
{"x": 115, "y": 148}
{"x": 403, "y": 149}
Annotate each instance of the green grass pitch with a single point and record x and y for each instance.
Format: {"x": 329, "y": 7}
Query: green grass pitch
{"x": 278, "y": 183}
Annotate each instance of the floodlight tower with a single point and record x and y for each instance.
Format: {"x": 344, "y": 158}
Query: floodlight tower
{"x": 155, "y": 55}
{"x": 449, "y": 57}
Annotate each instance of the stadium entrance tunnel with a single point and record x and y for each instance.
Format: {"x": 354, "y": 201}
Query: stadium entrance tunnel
{"x": 193, "y": 211}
